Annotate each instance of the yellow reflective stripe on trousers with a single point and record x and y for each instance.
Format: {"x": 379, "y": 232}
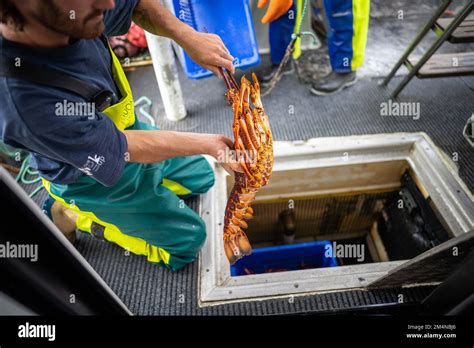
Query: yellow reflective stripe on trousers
{"x": 360, "y": 20}
{"x": 177, "y": 188}
{"x": 112, "y": 233}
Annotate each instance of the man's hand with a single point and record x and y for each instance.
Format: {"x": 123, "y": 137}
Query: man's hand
{"x": 208, "y": 51}
{"x": 222, "y": 149}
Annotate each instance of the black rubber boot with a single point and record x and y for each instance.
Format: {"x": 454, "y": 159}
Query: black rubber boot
{"x": 334, "y": 83}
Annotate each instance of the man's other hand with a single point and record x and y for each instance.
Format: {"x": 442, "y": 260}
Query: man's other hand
{"x": 222, "y": 149}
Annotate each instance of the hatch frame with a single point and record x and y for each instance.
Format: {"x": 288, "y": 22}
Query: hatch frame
{"x": 433, "y": 169}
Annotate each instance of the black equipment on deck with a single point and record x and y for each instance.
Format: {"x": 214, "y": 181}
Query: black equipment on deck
{"x": 40, "y": 269}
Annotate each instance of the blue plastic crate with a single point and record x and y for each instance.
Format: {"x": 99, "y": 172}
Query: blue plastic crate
{"x": 287, "y": 257}
{"x": 230, "y": 19}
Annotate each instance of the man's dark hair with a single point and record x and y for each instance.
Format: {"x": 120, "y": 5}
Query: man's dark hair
{"x": 9, "y": 14}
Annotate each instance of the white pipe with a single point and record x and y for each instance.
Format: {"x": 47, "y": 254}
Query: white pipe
{"x": 167, "y": 76}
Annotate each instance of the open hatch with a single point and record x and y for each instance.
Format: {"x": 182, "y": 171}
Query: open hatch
{"x": 342, "y": 213}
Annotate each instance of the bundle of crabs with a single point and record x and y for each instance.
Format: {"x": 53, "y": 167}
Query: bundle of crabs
{"x": 254, "y": 150}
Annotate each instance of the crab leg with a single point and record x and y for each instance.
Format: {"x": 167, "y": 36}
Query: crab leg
{"x": 235, "y": 125}
{"x": 251, "y": 128}
{"x": 247, "y": 127}
{"x": 243, "y": 157}
{"x": 226, "y": 80}
{"x": 234, "y": 83}
{"x": 255, "y": 95}
{"x": 245, "y": 136}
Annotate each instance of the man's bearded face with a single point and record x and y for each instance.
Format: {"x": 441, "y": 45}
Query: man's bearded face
{"x": 79, "y": 19}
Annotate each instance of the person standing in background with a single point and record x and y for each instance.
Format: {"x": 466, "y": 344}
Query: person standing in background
{"x": 280, "y": 16}
{"x": 347, "y": 24}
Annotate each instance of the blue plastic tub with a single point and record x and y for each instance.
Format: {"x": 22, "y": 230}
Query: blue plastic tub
{"x": 230, "y": 19}
{"x": 285, "y": 258}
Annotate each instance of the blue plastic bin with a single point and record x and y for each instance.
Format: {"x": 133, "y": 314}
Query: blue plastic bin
{"x": 287, "y": 257}
{"x": 230, "y": 19}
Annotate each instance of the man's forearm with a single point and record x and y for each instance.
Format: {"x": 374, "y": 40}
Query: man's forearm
{"x": 157, "y": 145}
{"x": 146, "y": 146}
{"x": 152, "y": 16}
